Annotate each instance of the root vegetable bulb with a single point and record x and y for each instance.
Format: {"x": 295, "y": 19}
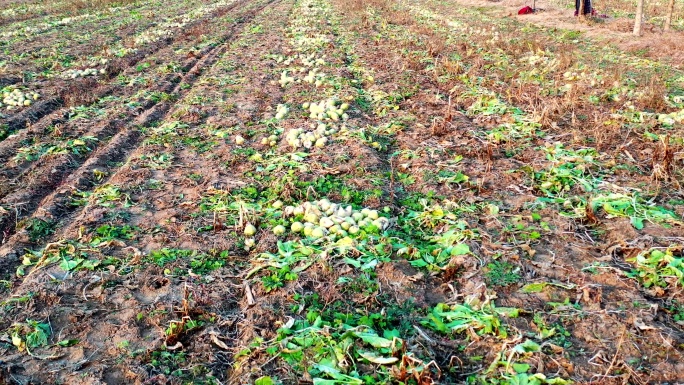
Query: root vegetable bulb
{"x": 326, "y": 222}
{"x": 250, "y": 230}
{"x": 308, "y": 230}
{"x": 324, "y": 204}
{"x": 239, "y": 140}
{"x": 311, "y": 218}
{"x": 297, "y": 227}
{"x": 382, "y": 223}
{"x": 279, "y": 230}
{"x": 318, "y": 232}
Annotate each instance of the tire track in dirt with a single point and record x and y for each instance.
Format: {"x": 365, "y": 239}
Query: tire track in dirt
{"x": 9, "y": 80}
{"x": 24, "y": 173}
{"x": 111, "y": 29}
{"x": 55, "y": 22}
{"x": 73, "y": 316}
{"x": 567, "y": 267}
{"x": 41, "y": 12}
{"x": 55, "y": 203}
{"x": 9, "y": 147}
{"x": 64, "y": 90}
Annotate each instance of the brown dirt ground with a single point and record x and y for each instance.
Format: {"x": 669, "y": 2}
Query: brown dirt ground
{"x": 657, "y": 45}
{"x": 230, "y": 86}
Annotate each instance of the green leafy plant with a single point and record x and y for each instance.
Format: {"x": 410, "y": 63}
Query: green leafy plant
{"x": 479, "y": 318}
{"x": 36, "y": 151}
{"x": 107, "y": 233}
{"x": 30, "y": 335}
{"x": 634, "y": 208}
{"x": 334, "y": 352}
{"x": 39, "y": 229}
{"x": 500, "y": 273}
{"x": 105, "y": 196}
{"x": 71, "y": 255}
{"x": 525, "y": 229}
{"x": 447, "y": 176}
{"x": 657, "y": 267}
{"x": 570, "y": 167}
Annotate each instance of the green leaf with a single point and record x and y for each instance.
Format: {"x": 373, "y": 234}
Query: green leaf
{"x": 522, "y": 379}
{"x": 65, "y": 343}
{"x": 39, "y": 336}
{"x": 637, "y": 222}
{"x": 546, "y": 333}
{"x": 460, "y": 249}
{"x": 437, "y": 324}
{"x": 528, "y": 346}
{"x": 378, "y": 359}
{"x": 336, "y": 374}
{"x": 419, "y": 263}
{"x": 70, "y": 264}
{"x": 534, "y": 287}
{"x": 558, "y": 381}
{"x": 389, "y": 334}
{"x": 265, "y": 380}
{"x": 374, "y": 340}
{"x": 370, "y": 265}
{"x": 510, "y": 312}
{"x": 520, "y": 368}
{"x": 353, "y": 262}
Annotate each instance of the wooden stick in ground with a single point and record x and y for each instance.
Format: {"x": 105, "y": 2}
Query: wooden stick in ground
{"x": 668, "y": 17}
{"x": 250, "y": 296}
{"x": 638, "y": 17}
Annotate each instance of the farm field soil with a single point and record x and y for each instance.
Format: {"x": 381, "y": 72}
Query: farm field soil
{"x": 334, "y": 192}
{"x": 613, "y": 24}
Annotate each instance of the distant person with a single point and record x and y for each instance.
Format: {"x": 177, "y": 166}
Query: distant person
{"x": 587, "y": 7}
